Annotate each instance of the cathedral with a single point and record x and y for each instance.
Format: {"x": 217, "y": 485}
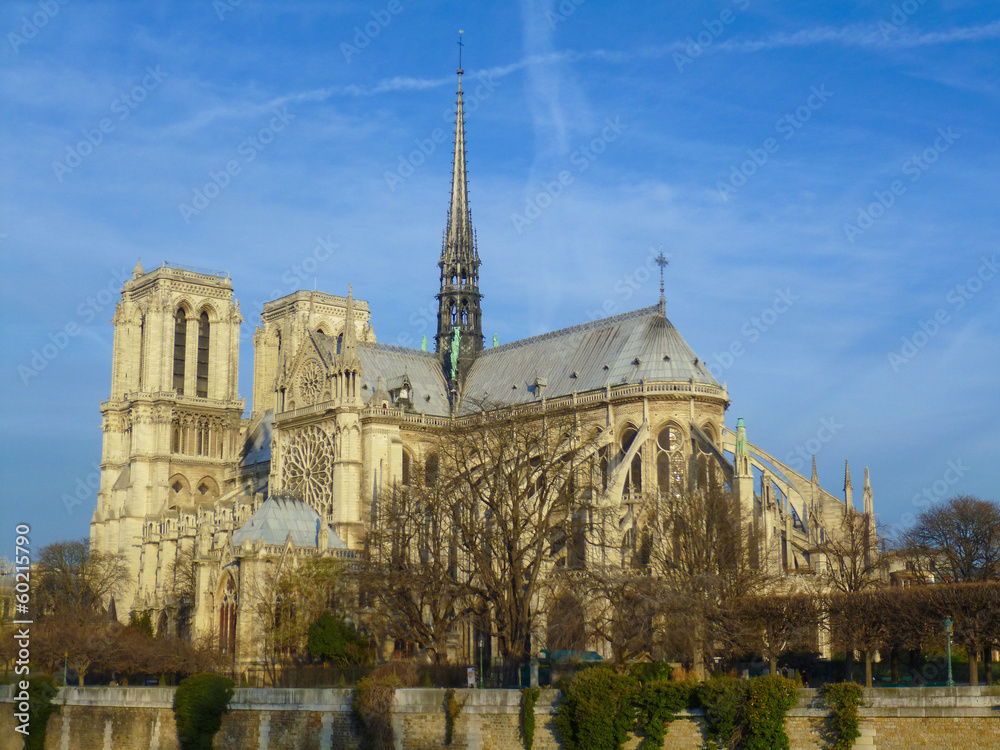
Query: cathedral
{"x": 187, "y": 473}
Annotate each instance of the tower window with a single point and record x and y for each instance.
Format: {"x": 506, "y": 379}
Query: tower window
{"x": 203, "y": 332}
{"x": 180, "y": 350}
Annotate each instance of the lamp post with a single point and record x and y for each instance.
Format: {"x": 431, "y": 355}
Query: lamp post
{"x": 65, "y": 666}
{"x": 482, "y": 676}
{"x": 947, "y": 631}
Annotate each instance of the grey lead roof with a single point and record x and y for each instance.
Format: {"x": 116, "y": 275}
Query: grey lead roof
{"x": 628, "y": 348}
{"x": 391, "y": 363}
{"x": 277, "y": 517}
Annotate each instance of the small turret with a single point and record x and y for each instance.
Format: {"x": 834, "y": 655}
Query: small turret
{"x": 848, "y": 489}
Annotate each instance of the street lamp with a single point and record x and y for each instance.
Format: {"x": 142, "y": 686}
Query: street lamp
{"x": 482, "y": 675}
{"x": 947, "y": 631}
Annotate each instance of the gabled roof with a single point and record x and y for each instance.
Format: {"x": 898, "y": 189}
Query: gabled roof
{"x": 279, "y": 517}
{"x": 628, "y": 348}
{"x": 391, "y": 363}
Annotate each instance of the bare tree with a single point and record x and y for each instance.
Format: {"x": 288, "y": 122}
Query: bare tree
{"x": 512, "y": 479}
{"x": 959, "y": 541}
{"x": 709, "y": 553}
{"x": 974, "y": 609}
{"x": 284, "y": 597}
{"x": 772, "y": 625}
{"x": 416, "y": 589}
{"x": 854, "y": 560}
{"x": 865, "y": 620}
{"x": 73, "y": 577}
{"x": 626, "y": 611}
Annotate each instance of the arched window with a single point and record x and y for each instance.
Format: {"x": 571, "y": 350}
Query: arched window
{"x": 633, "y": 481}
{"x": 405, "y": 475}
{"x": 454, "y": 314}
{"x": 431, "y": 470}
{"x": 227, "y": 618}
{"x": 340, "y": 343}
{"x": 180, "y": 350}
{"x": 670, "y": 461}
{"x": 203, "y": 331}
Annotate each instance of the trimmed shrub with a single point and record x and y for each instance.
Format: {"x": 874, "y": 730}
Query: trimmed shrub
{"x": 452, "y": 708}
{"x": 843, "y": 698}
{"x": 41, "y": 690}
{"x": 529, "y": 696}
{"x": 656, "y": 703}
{"x": 596, "y": 712}
{"x": 722, "y": 699}
{"x": 768, "y": 700}
{"x": 199, "y": 703}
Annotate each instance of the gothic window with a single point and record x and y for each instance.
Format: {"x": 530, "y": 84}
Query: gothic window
{"x": 180, "y": 350}
{"x": 340, "y": 342}
{"x": 603, "y": 467}
{"x": 431, "y": 469}
{"x": 454, "y": 314}
{"x": 405, "y": 475}
{"x": 203, "y": 331}
{"x": 669, "y": 461}
{"x": 142, "y": 349}
{"x": 227, "y": 618}
{"x": 633, "y": 480}
{"x": 308, "y": 466}
{"x": 465, "y": 315}
{"x": 310, "y": 381}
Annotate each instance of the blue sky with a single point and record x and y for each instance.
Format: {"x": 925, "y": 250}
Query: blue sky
{"x": 822, "y": 176}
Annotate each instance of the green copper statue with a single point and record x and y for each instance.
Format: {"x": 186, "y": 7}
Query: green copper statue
{"x": 454, "y": 351}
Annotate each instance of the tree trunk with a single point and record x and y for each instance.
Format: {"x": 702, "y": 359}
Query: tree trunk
{"x": 973, "y": 666}
{"x": 988, "y": 658}
{"x": 774, "y": 665}
{"x": 868, "y": 668}
{"x": 849, "y": 663}
{"x": 698, "y": 653}
{"x": 894, "y": 664}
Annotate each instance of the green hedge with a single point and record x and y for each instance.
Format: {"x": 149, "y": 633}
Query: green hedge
{"x": 199, "y": 703}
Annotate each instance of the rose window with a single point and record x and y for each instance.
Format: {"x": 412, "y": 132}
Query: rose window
{"x": 310, "y": 381}
{"x": 308, "y": 467}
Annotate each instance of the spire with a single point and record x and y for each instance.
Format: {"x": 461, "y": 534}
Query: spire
{"x": 350, "y": 332}
{"x": 459, "y": 298}
{"x": 848, "y": 489}
{"x": 138, "y": 270}
{"x": 867, "y": 494}
{"x": 661, "y": 261}
{"x": 815, "y": 476}
{"x": 458, "y": 235}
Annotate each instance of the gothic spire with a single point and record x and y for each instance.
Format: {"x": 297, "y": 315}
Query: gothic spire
{"x": 459, "y": 298}
{"x": 848, "y": 489}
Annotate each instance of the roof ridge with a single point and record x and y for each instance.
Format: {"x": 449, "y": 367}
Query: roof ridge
{"x": 588, "y": 326}
{"x": 398, "y": 349}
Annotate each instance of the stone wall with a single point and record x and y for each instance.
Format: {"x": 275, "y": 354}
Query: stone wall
{"x": 320, "y": 719}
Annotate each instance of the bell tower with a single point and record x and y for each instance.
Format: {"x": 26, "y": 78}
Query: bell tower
{"x": 459, "y": 336}
{"x": 172, "y": 423}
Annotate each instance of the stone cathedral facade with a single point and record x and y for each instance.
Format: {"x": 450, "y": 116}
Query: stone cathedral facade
{"x": 336, "y": 417}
